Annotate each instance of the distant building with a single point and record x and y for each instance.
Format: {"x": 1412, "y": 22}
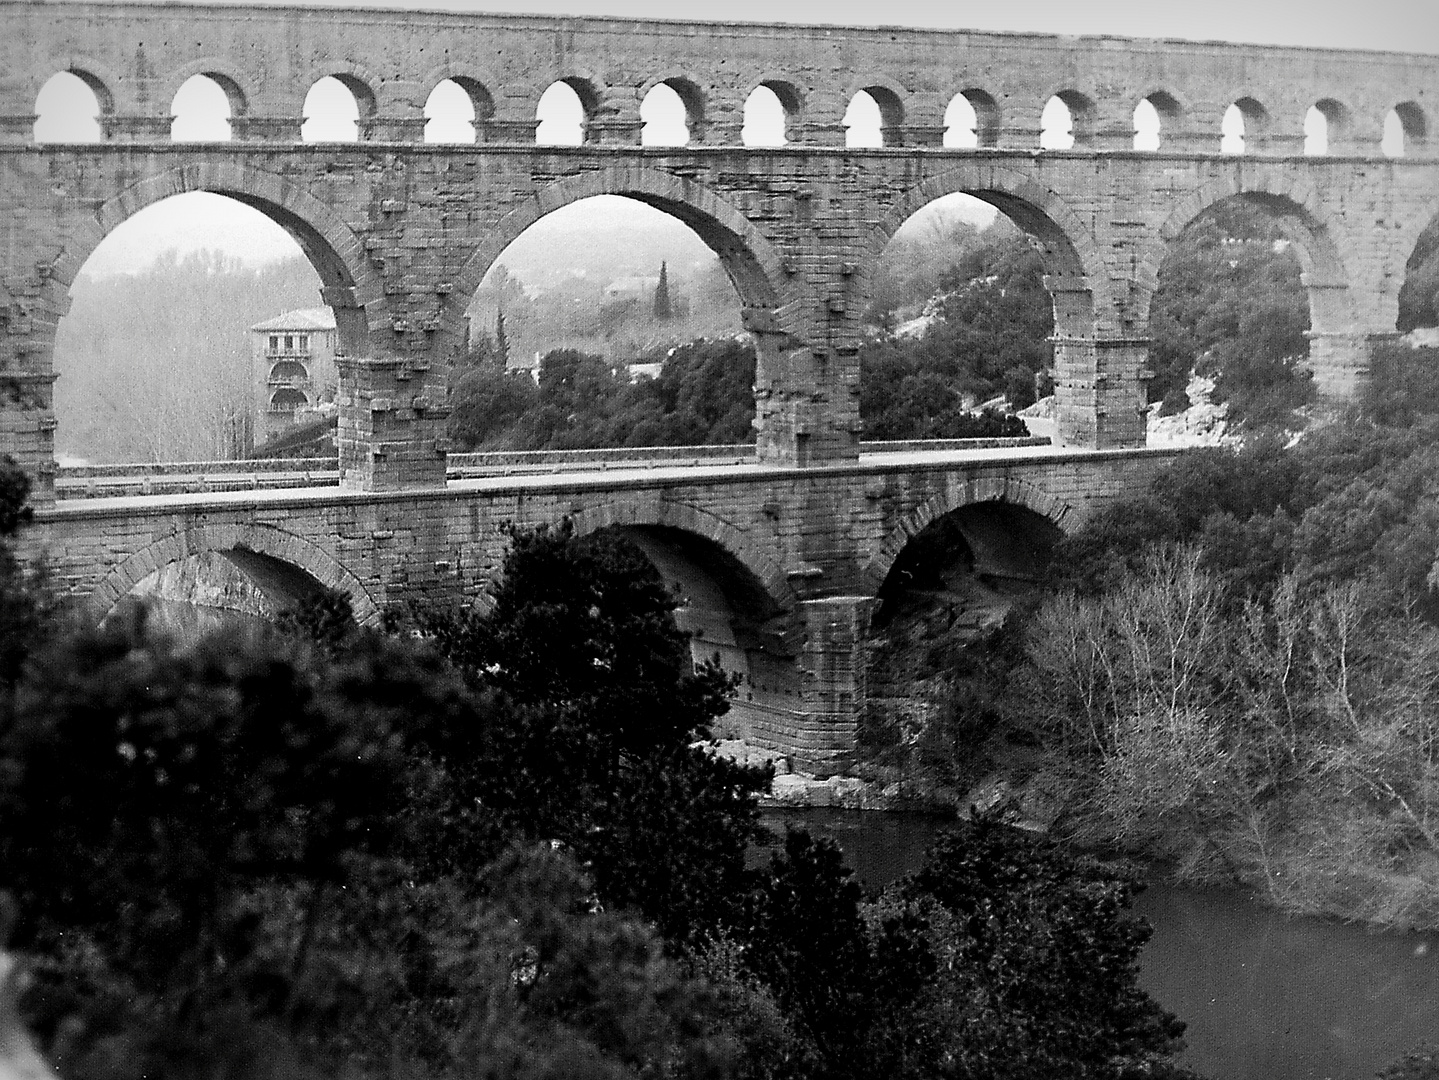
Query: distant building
{"x": 293, "y": 360}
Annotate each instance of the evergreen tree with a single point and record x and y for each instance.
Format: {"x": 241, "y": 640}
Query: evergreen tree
{"x": 502, "y": 342}
{"x": 663, "y": 308}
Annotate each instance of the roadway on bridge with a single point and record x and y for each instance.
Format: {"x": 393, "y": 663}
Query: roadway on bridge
{"x": 617, "y": 476}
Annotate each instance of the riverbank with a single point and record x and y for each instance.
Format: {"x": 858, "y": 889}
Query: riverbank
{"x": 880, "y": 789}
{"x": 1266, "y": 996}
{"x": 1367, "y": 895}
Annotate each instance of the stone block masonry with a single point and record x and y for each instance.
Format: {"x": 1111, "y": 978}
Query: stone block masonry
{"x": 402, "y": 232}
{"x": 788, "y": 560}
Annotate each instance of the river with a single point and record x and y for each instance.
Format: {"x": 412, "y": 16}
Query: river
{"x": 1266, "y": 996}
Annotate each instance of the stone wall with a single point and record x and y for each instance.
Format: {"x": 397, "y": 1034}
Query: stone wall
{"x": 402, "y": 232}
{"x": 814, "y": 543}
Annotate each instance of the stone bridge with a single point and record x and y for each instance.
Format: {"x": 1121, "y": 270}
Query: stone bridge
{"x": 796, "y": 539}
{"x": 779, "y": 567}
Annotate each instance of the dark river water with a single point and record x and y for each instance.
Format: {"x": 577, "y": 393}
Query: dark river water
{"x": 1266, "y": 997}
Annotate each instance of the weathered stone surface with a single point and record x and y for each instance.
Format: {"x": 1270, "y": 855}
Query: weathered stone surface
{"x": 780, "y": 564}
{"x": 799, "y": 540}
{"x": 403, "y": 232}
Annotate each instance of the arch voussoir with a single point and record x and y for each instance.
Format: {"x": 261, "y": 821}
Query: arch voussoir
{"x": 221, "y": 537}
{"x": 647, "y": 184}
{"x": 668, "y": 513}
{"x": 248, "y": 184}
{"x": 970, "y": 492}
{"x": 1320, "y": 254}
{"x": 982, "y": 179}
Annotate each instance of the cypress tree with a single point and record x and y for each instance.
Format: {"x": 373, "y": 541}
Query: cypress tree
{"x": 663, "y": 309}
{"x": 502, "y": 342}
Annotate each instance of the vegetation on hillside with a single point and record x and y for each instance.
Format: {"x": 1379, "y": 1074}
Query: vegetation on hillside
{"x": 703, "y": 395}
{"x": 1235, "y": 674}
{"x": 487, "y": 844}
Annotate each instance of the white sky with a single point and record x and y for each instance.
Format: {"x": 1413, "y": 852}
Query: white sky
{"x": 211, "y": 221}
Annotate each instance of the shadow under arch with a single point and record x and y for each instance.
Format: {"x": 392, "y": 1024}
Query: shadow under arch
{"x": 284, "y": 567}
{"x": 750, "y": 260}
{"x": 1000, "y": 491}
{"x": 352, "y": 287}
{"x": 765, "y": 573}
{"x": 1301, "y": 216}
{"x": 736, "y": 606}
{"x": 1069, "y": 247}
{"x": 1412, "y": 245}
{"x": 949, "y": 576}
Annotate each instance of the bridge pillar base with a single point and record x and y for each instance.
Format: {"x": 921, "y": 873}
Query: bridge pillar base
{"x": 391, "y": 434}
{"x": 1098, "y": 391}
{"x": 1340, "y": 362}
{"x": 806, "y": 404}
{"x": 27, "y": 431}
{"x": 832, "y": 670}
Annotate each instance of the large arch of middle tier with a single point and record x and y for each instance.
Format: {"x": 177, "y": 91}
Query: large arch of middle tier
{"x": 754, "y": 265}
{"x": 1099, "y": 363}
{"x": 1338, "y": 337}
{"x": 1072, "y": 256}
{"x": 352, "y": 286}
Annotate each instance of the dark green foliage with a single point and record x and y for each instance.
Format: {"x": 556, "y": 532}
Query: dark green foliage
{"x": 254, "y": 855}
{"x": 1043, "y": 951}
{"x": 155, "y": 784}
{"x": 1230, "y": 303}
{"x": 1419, "y": 296}
{"x": 703, "y": 395}
{"x": 1403, "y": 386}
{"x": 849, "y": 987}
{"x": 593, "y": 744}
{"x": 488, "y": 408}
{"x": 1351, "y": 500}
{"x": 587, "y": 624}
{"x": 663, "y": 309}
{"x": 989, "y": 337}
{"x": 1421, "y": 1064}
{"x": 26, "y": 606}
{"x": 179, "y": 825}
{"x": 1004, "y": 957}
{"x": 14, "y": 490}
{"x": 326, "y": 618}
{"x": 570, "y": 991}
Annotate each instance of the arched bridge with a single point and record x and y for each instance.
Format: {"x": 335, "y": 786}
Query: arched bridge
{"x": 778, "y": 567}
{"x": 402, "y": 232}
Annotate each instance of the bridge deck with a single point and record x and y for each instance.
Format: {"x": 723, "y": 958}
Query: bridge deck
{"x": 613, "y": 475}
